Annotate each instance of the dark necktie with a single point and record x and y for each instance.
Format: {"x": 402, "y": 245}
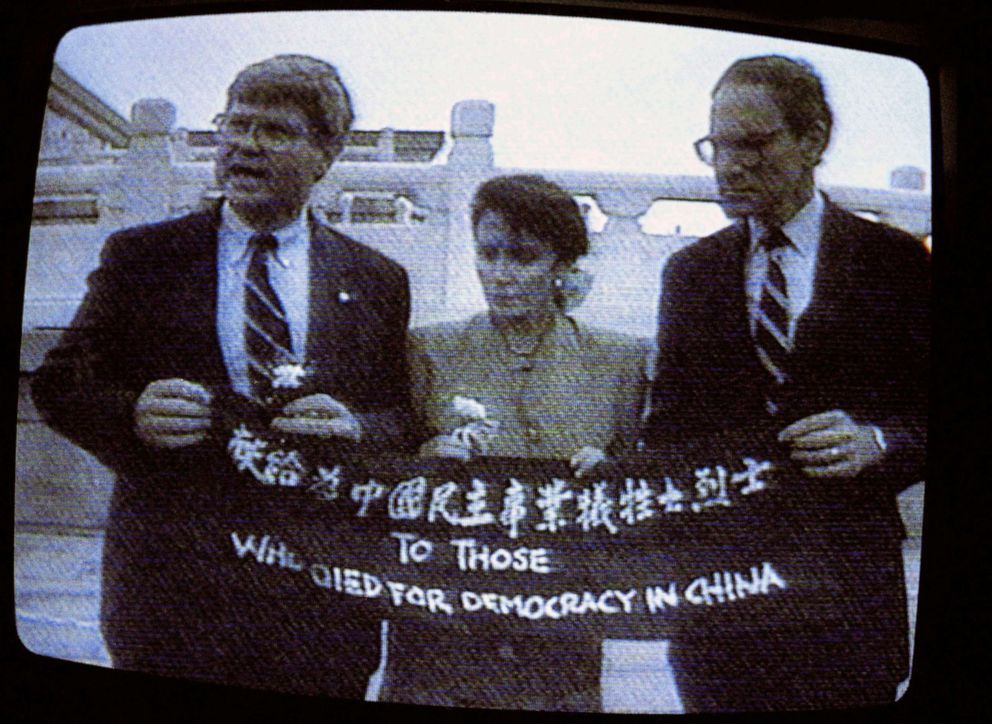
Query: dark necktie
{"x": 771, "y": 327}
{"x": 267, "y": 339}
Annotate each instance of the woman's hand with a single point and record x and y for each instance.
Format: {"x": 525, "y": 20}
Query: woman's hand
{"x": 475, "y": 435}
{"x": 586, "y": 459}
{"x": 446, "y": 446}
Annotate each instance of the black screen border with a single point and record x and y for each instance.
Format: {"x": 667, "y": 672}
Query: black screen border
{"x": 949, "y": 47}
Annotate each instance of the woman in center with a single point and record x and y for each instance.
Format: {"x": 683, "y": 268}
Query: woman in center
{"x": 550, "y": 387}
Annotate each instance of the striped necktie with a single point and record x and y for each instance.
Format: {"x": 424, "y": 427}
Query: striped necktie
{"x": 771, "y": 328}
{"x": 267, "y": 338}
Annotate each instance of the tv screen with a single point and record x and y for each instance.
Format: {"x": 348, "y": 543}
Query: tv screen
{"x": 512, "y": 435}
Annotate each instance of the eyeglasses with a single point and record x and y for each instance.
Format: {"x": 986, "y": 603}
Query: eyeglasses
{"x": 748, "y": 151}
{"x": 267, "y": 134}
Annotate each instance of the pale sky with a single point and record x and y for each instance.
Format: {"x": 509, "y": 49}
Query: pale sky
{"x": 569, "y": 93}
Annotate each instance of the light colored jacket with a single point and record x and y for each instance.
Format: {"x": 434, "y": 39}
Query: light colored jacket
{"x": 581, "y": 386}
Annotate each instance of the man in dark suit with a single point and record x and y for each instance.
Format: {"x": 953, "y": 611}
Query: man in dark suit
{"x": 183, "y": 314}
{"x": 811, "y": 322}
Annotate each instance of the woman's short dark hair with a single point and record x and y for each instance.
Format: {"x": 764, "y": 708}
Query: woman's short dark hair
{"x": 311, "y": 85}
{"x": 530, "y": 204}
{"x": 793, "y": 84}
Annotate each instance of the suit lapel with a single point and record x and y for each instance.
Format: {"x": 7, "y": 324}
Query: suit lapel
{"x": 336, "y": 300}
{"x": 191, "y": 305}
{"x": 199, "y": 246}
{"x": 831, "y": 286}
{"x": 731, "y": 273}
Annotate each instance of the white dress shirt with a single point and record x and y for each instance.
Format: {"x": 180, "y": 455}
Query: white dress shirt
{"x": 289, "y": 274}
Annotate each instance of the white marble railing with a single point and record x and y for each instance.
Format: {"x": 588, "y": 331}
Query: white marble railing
{"x": 415, "y": 212}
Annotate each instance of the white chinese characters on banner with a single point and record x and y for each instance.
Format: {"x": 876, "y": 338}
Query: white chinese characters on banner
{"x": 548, "y": 508}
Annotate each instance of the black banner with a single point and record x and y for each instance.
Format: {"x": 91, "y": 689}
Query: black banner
{"x": 639, "y": 548}
{"x": 256, "y": 539}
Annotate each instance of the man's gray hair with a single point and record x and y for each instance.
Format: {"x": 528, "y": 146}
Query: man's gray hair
{"x": 794, "y": 85}
{"x": 311, "y": 85}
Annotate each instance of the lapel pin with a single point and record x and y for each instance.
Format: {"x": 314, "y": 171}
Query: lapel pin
{"x": 343, "y": 296}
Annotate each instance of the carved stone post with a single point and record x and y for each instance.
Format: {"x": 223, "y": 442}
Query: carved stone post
{"x": 143, "y": 191}
{"x": 469, "y": 163}
{"x": 472, "y": 125}
{"x": 626, "y": 265}
{"x": 386, "y": 145}
{"x": 624, "y": 207}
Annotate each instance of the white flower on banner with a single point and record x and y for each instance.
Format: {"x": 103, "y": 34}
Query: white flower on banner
{"x": 477, "y": 431}
{"x": 476, "y": 435}
{"x": 468, "y": 408}
{"x": 288, "y": 376}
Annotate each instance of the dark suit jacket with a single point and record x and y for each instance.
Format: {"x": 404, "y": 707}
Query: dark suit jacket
{"x": 149, "y": 314}
{"x": 862, "y": 346}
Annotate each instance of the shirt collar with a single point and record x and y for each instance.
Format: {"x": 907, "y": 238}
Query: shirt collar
{"x": 290, "y": 238}
{"x": 803, "y": 229}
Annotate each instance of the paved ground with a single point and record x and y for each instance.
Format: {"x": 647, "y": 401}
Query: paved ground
{"x": 57, "y": 591}
{"x": 57, "y": 595}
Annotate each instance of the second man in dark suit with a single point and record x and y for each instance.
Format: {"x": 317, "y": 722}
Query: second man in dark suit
{"x": 808, "y": 320}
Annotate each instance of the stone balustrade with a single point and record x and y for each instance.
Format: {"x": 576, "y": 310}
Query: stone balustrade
{"x": 415, "y": 212}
